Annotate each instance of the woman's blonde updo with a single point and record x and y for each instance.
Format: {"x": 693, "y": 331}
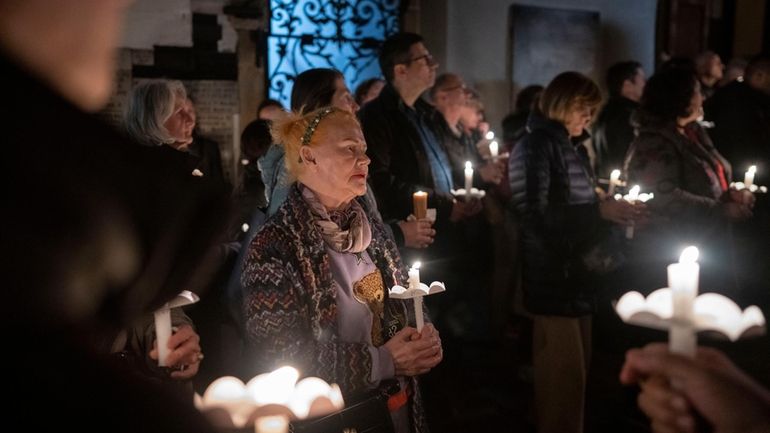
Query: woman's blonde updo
{"x": 290, "y": 131}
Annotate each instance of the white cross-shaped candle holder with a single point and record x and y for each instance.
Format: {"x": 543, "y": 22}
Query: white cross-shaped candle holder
{"x": 469, "y": 191}
{"x": 634, "y": 195}
{"x": 677, "y": 308}
{"x": 268, "y": 401}
{"x": 416, "y": 292}
{"x": 163, "y": 322}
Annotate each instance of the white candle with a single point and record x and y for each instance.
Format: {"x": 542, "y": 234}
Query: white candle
{"x": 271, "y": 424}
{"x": 614, "y": 180}
{"x": 683, "y": 282}
{"x": 162, "y": 334}
{"x": 414, "y": 276}
{"x": 468, "y": 178}
{"x": 748, "y": 179}
{"x": 493, "y": 149}
{"x": 414, "y": 284}
{"x": 490, "y": 135}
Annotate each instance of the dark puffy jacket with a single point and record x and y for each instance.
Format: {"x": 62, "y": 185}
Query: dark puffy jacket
{"x": 554, "y": 198}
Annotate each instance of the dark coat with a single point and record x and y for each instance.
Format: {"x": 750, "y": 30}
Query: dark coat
{"x": 683, "y": 176}
{"x": 741, "y": 132}
{"x": 554, "y": 198}
{"x": 289, "y": 301}
{"x": 94, "y": 235}
{"x": 399, "y": 164}
{"x": 612, "y": 134}
{"x": 209, "y": 159}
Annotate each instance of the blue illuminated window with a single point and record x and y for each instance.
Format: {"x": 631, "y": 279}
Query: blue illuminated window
{"x": 340, "y": 34}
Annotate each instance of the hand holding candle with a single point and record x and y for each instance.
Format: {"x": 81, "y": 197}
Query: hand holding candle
{"x": 634, "y": 196}
{"x": 163, "y": 323}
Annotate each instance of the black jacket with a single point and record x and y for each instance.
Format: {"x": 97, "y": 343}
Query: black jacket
{"x": 612, "y": 134}
{"x": 741, "y": 132}
{"x": 399, "y": 164}
{"x": 94, "y": 235}
{"x": 554, "y": 199}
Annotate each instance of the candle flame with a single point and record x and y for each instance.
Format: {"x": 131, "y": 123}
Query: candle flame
{"x": 689, "y": 255}
{"x": 416, "y": 265}
{"x": 635, "y": 190}
{"x": 468, "y": 165}
{"x": 753, "y": 169}
{"x": 490, "y": 135}
{"x": 615, "y": 175}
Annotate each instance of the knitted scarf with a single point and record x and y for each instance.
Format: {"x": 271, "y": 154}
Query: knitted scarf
{"x": 346, "y": 230}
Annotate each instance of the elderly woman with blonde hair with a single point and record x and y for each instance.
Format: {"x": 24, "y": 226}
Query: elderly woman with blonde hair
{"x": 316, "y": 277}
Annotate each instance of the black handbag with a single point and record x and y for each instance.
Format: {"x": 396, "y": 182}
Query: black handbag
{"x": 363, "y": 413}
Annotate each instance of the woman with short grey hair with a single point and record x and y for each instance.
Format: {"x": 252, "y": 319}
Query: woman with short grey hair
{"x": 156, "y": 114}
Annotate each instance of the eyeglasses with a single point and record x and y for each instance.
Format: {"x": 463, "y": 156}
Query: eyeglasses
{"x": 428, "y": 59}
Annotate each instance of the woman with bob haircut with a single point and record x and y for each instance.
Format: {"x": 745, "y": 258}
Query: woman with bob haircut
{"x": 561, "y": 218}
{"x": 316, "y": 276}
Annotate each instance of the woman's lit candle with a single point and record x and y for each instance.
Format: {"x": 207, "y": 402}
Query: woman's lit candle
{"x": 420, "y": 203}
{"x": 468, "y": 178}
{"x": 414, "y": 284}
{"x": 748, "y": 179}
{"x": 490, "y": 135}
{"x": 614, "y": 181}
{"x": 683, "y": 282}
{"x": 493, "y": 149}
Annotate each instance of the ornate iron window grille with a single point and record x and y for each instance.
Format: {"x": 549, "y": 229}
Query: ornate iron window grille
{"x": 340, "y": 34}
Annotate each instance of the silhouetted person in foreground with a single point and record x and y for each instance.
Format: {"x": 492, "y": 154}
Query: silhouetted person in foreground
{"x": 90, "y": 242}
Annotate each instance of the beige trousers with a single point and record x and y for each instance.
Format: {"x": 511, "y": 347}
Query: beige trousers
{"x": 561, "y": 355}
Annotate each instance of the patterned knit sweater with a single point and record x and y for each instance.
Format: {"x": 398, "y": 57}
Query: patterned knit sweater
{"x": 289, "y": 302}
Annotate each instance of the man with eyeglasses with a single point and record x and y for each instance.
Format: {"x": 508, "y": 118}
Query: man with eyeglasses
{"x": 449, "y": 95}
{"x": 408, "y": 155}
{"x": 404, "y": 143}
